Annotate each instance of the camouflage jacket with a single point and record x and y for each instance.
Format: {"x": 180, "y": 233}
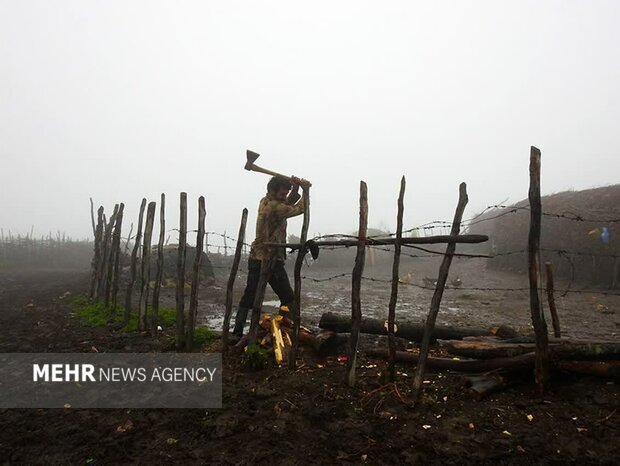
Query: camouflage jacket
{"x": 271, "y": 224}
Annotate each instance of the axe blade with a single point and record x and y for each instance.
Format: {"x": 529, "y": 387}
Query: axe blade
{"x": 251, "y": 158}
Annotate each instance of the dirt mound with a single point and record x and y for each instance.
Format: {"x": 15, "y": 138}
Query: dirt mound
{"x": 578, "y": 236}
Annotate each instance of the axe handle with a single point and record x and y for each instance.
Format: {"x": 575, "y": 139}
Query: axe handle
{"x": 256, "y": 168}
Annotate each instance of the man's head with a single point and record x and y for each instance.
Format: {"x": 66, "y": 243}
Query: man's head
{"x": 279, "y": 188}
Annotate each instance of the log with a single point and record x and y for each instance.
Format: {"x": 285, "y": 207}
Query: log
{"x": 292, "y": 360}
{"x": 391, "y": 372}
{"x": 566, "y": 349}
{"x": 356, "y": 285}
{"x": 538, "y": 318}
{"x": 444, "y": 270}
{"x": 160, "y": 263}
{"x": 180, "y": 291}
{"x": 193, "y": 299}
{"x": 596, "y": 368}
{"x": 407, "y": 330}
{"x": 146, "y": 268}
{"x": 134, "y": 263}
{"x": 481, "y": 386}
{"x": 522, "y": 361}
{"x": 231, "y": 279}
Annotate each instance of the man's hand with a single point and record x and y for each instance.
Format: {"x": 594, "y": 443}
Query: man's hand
{"x": 300, "y": 182}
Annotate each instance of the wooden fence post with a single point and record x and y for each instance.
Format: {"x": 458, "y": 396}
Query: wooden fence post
{"x": 555, "y": 320}
{"x": 395, "y": 278}
{"x": 146, "y": 268}
{"x": 356, "y": 285}
{"x": 231, "y": 279}
{"x": 160, "y": 263}
{"x": 128, "y": 237}
{"x": 116, "y": 250}
{"x": 134, "y": 261}
{"x": 105, "y": 261}
{"x": 180, "y": 292}
{"x": 92, "y": 217}
{"x": 538, "y": 318}
{"x": 96, "y": 263}
{"x": 297, "y": 278}
{"x": 193, "y": 300}
{"x": 444, "y": 269}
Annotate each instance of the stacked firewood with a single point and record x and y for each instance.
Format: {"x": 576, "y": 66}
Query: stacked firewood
{"x": 493, "y": 353}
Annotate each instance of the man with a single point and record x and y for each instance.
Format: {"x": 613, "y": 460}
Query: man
{"x": 280, "y": 203}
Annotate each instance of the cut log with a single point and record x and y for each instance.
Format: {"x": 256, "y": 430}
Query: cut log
{"x": 516, "y": 363}
{"x": 407, "y": 330}
{"x": 487, "y": 349}
{"x": 481, "y": 386}
{"x": 597, "y": 368}
{"x": 520, "y": 362}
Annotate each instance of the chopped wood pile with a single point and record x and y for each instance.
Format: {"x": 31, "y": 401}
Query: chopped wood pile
{"x": 275, "y": 335}
{"x": 491, "y": 359}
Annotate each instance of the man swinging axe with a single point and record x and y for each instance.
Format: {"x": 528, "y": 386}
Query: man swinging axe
{"x": 281, "y": 202}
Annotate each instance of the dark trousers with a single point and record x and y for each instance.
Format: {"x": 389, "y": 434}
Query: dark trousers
{"x": 279, "y": 283}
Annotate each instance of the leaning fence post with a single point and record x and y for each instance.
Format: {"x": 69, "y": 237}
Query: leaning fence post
{"x": 193, "y": 300}
{"x": 297, "y": 277}
{"x": 356, "y": 285}
{"x": 180, "y": 292}
{"x": 105, "y": 262}
{"x": 116, "y": 251}
{"x": 134, "y": 261}
{"x": 160, "y": 262}
{"x": 231, "y": 279}
{"x": 444, "y": 269}
{"x": 97, "y": 255}
{"x": 92, "y": 218}
{"x": 395, "y": 278}
{"x": 555, "y": 320}
{"x": 146, "y": 267}
{"x": 538, "y": 318}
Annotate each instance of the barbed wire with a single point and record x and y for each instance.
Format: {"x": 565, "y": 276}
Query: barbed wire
{"x": 454, "y": 288}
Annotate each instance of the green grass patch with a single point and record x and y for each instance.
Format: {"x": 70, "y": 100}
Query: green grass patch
{"x": 256, "y": 358}
{"x": 202, "y": 335}
{"x": 95, "y": 314}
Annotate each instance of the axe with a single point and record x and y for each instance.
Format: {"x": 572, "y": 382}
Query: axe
{"x": 250, "y": 166}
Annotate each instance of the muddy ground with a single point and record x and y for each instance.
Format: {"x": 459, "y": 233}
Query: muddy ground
{"x": 308, "y": 416}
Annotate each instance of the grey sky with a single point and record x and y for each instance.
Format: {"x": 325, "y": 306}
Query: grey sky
{"x": 123, "y": 99}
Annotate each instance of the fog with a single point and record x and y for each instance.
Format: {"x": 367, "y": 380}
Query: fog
{"x": 121, "y": 100}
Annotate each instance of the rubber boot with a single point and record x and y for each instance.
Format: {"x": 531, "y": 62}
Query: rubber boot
{"x": 240, "y": 318}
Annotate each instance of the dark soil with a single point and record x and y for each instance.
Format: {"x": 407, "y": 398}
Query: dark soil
{"x": 309, "y": 417}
